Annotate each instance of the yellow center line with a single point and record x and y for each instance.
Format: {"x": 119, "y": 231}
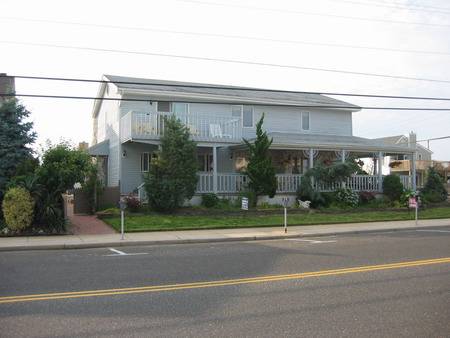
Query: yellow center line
{"x": 196, "y": 285}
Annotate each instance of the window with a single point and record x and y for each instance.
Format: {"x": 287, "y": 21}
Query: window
{"x": 420, "y": 156}
{"x": 180, "y": 108}
{"x": 244, "y": 112}
{"x": 305, "y": 121}
{"x": 163, "y": 107}
{"x": 205, "y": 162}
{"x": 247, "y": 116}
{"x": 145, "y": 162}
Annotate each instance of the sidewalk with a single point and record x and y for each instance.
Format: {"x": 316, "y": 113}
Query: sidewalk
{"x": 204, "y": 236}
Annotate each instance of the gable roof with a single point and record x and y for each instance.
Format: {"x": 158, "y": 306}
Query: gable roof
{"x": 398, "y": 139}
{"x": 228, "y": 93}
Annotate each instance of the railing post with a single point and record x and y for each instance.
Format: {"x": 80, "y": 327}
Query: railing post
{"x": 215, "y": 169}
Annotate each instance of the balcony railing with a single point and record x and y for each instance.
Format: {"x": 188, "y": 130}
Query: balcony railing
{"x": 150, "y": 125}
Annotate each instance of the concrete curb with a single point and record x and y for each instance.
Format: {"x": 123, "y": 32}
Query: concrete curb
{"x": 126, "y": 243}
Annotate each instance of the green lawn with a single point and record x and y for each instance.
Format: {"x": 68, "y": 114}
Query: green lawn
{"x": 155, "y": 222}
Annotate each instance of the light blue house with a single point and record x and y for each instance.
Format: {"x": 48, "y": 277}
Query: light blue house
{"x": 305, "y": 128}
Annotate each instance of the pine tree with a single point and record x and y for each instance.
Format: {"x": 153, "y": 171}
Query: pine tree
{"x": 16, "y": 136}
{"x": 260, "y": 170}
{"x": 172, "y": 177}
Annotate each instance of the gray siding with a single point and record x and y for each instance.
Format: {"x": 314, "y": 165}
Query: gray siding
{"x": 277, "y": 119}
{"x": 132, "y": 176}
{"x": 107, "y": 128}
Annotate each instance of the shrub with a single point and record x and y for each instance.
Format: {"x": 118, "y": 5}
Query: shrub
{"x": 306, "y": 192}
{"x": 252, "y": 199}
{"x": 434, "y": 190}
{"x": 392, "y": 187}
{"x": 133, "y": 203}
{"x": 404, "y": 198}
{"x": 210, "y": 200}
{"x": 366, "y": 196}
{"x": 347, "y": 197}
{"x": 18, "y": 208}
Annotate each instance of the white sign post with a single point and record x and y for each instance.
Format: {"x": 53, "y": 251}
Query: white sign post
{"x": 122, "y": 205}
{"x": 285, "y": 204}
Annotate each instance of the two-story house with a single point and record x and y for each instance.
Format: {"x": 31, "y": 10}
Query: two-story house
{"x": 128, "y": 121}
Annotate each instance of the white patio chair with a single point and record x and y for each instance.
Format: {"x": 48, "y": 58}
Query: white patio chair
{"x": 215, "y": 131}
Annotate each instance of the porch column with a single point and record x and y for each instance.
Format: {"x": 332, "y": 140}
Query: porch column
{"x": 343, "y": 156}
{"x": 380, "y": 171}
{"x": 413, "y": 171}
{"x": 215, "y": 169}
{"x": 311, "y": 158}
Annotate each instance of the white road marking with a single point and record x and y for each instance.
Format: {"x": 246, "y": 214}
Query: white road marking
{"x": 434, "y": 230}
{"x": 121, "y": 253}
{"x": 312, "y": 241}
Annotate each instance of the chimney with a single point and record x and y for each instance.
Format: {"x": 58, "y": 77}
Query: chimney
{"x": 83, "y": 146}
{"x": 7, "y": 86}
{"x": 412, "y": 140}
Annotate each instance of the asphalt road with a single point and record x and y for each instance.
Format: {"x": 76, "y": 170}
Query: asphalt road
{"x": 377, "y": 301}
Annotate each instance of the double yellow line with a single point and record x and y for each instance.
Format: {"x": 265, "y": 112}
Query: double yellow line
{"x": 198, "y": 285}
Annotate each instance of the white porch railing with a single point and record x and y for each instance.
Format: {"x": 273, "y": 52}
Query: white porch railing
{"x": 150, "y": 125}
{"x": 233, "y": 183}
{"x": 288, "y": 182}
{"x": 363, "y": 183}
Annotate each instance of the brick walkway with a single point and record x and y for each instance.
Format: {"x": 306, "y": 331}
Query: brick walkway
{"x": 87, "y": 224}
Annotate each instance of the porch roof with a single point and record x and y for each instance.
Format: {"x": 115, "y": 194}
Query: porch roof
{"x": 333, "y": 142}
{"x": 99, "y": 149}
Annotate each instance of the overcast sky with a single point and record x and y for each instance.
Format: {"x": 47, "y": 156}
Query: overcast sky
{"x": 296, "y": 21}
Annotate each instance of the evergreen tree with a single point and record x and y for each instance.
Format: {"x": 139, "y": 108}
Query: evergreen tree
{"x": 260, "y": 170}
{"x": 172, "y": 177}
{"x": 434, "y": 189}
{"x": 16, "y": 136}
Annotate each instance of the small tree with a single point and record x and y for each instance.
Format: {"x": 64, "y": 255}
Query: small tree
{"x": 434, "y": 189}
{"x": 172, "y": 177}
{"x": 63, "y": 166}
{"x": 260, "y": 170}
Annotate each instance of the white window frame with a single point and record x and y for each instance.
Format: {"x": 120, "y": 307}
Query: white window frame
{"x": 142, "y": 161}
{"x": 241, "y": 107}
{"x": 309, "y": 121}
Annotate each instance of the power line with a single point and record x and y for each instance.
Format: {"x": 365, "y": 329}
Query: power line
{"x": 230, "y": 102}
{"x": 232, "y": 61}
{"x": 200, "y": 86}
{"x": 228, "y": 36}
{"x": 395, "y": 6}
{"x": 336, "y": 16}
{"x": 435, "y": 138}
{"x": 418, "y": 6}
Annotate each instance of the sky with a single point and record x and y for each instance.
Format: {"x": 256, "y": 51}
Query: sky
{"x": 295, "y": 33}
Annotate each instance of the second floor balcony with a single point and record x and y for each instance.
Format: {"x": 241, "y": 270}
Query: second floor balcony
{"x": 136, "y": 125}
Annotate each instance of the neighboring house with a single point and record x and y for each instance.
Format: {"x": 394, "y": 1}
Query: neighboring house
{"x": 126, "y": 132}
{"x": 401, "y": 164}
